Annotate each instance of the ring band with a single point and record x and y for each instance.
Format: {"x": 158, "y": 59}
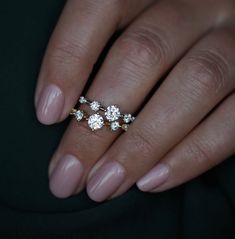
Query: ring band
{"x": 102, "y": 116}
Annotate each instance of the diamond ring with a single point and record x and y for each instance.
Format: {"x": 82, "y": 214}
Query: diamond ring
{"x": 109, "y": 116}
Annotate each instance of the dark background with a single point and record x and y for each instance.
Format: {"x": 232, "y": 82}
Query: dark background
{"x": 203, "y": 208}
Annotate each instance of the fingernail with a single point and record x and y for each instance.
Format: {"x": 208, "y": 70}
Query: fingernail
{"x": 50, "y": 105}
{"x": 157, "y": 176}
{"x": 66, "y": 176}
{"x": 105, "y": 181}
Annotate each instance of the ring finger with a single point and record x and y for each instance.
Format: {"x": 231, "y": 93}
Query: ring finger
{"x": 206, "y": 146}
{"x": 193, "y": 88}
{"x": 145, "y": 51}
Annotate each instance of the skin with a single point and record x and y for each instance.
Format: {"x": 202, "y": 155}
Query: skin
{"x": 184, "y": 129}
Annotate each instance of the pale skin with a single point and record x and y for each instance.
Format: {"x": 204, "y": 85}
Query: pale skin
{"x": 185, "y": 128}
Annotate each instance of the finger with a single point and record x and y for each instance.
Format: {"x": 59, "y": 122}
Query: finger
{"x": 206, "y": 146}
{"x": 136, "y": 61}
{"x": 200, "y": 80}
{"x": 74, "y": 47}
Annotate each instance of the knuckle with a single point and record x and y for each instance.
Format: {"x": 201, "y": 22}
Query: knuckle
{"x": 209, "y": 72}
{"x": 145, "y": 45}
{"x": 63, "y": 56}
{"x": 67, "y": 52}
{"x": 98, "y": 6}
{"x": 141, "y": 142}
{"x": 199, "y": 151}
{"x": 117, "y": 4}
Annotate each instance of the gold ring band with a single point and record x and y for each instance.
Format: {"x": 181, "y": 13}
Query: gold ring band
{"x": 109, "y": 116}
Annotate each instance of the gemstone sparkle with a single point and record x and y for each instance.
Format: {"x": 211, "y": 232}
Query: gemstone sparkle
{"x": 79, "y": 115}
{"x": 127, "y": 118}
{"x": 82, "y": 100}
{"x": 95, "y": 105}
{"x": 95, "y": 121}
{"x": 115, "y": 126}
{"x": 112, "y": 113}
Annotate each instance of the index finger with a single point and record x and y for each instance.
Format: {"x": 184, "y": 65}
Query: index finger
{"x": 78, "y": 39}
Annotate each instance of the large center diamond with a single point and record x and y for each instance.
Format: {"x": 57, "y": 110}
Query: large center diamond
{"x": 112, "y": 113}
{"x": 95, "y": 121}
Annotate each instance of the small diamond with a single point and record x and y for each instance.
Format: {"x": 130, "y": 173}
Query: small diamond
{"x": 95, "y": 105}
{"x": 115, "y": 126}
{"x": 95, "y": 121}
{"x": 127, "y": 118}
{"x": 79, "y": 115}
{"x": 112, "y": 113}
{"x": 125, "y": 127}
{"x": 82, "y": 100}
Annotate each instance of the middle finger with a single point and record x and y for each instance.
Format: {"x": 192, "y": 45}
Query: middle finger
{"x": 194, "y": 87}
{"x": 145, "y": 51}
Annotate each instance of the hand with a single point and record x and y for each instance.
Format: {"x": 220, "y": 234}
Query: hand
{"x": 186, "y": 127}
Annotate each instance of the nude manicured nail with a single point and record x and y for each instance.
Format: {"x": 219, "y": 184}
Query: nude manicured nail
{"x": 105, "y": 181}
{"x": 66, "y": 176}
{"x": 50, "y": 105}
{"x": 157, "y": 176}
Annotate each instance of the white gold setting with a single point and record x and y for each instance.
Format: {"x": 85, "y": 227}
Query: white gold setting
{"x": 115, "y": 126}
{"x": 82, "y": 100}
{"x": 109, "y": 116}
{"x": 127, "y": 118}
{"x": 95, "y": 106}
{"x": 95, "y": 121}
{"x": 112, "y": 113}
{"x": 79, "y": 115}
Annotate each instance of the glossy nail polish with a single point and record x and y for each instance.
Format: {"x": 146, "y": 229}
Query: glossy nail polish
{"x": 105, "y": 181}
{"x": 66, "y": 176}
{"x": 50, "y": 105}
{"x": 154, "y": 178}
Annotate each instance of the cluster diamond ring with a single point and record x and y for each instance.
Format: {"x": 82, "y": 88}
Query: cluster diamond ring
{"x": 101, "y": 116}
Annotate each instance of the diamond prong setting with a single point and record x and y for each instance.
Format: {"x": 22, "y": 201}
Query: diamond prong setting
{"x": 82, "y": 100}
{"x": 127, "y": 118}
{"x": 115, "y": 125}
{"x": 79, "y": 115}
{"x": 95, "y": 106}
{"x": 112, "y": 113}
{"x": 109, "y": 116}
{"x": 95, "y": 121}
